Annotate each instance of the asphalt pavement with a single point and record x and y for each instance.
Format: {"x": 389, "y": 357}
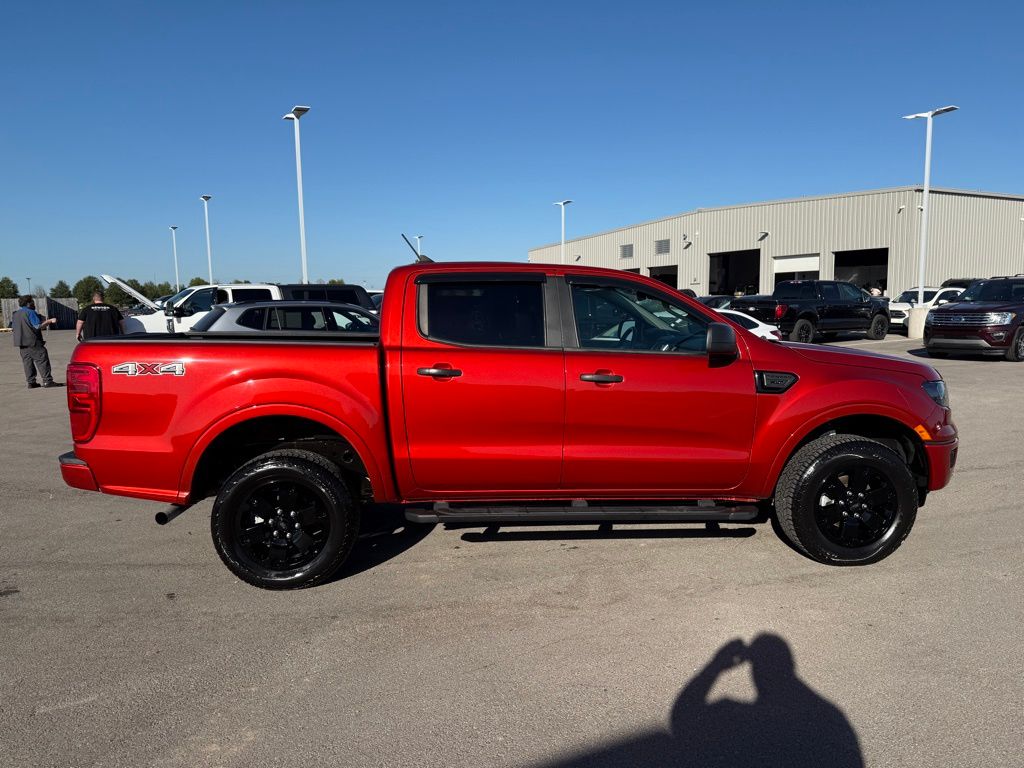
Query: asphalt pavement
{"x": 127, "y": 644}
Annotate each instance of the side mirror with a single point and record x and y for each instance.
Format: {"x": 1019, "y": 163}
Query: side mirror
{"x": 721, "y": 343}
{"x": 181, "y": 310}
{"x": 942, "y": 301}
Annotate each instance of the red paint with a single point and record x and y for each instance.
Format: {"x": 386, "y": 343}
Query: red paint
{"x": 517, "y": 424}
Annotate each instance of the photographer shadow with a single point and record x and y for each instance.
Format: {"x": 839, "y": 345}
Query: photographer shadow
{"x": 787, "y": 725}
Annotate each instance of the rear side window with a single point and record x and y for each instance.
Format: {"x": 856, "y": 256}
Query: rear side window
{"x": 796, "y": 291}
{"x": 829, "y": 293}
{"x": 851, "y": 292}
{"x": 253, "y": 318}
{"x": 292, "y": 319}
{"x": 488, "y": 314}
{"x": 251, "y": 294}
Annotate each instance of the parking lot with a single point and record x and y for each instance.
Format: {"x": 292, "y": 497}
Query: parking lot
{"x": 127, "y": 644}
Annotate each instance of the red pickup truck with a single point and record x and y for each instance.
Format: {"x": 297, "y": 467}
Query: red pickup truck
{"x": 510, "y": 393}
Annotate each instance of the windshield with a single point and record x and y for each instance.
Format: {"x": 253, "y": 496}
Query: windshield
{"x": 994, "y": 290}
{"x": 178, "y": 296}
{"x": 910, "y": 297}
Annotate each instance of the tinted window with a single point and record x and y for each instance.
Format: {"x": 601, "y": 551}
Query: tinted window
{"x": 911, "y": 296}
{"x": 308, "y": 294}
{"x": 208, "y": 319}
{"x": 489, "y": 314}
{"x": 829, "y": 293}
{"x": 796, "y": 291}
{"x": 297, "y": 319}
{"x": 343, "y": 295}
{"x": 251, "y": 294}
{"x": 253, "y": 318}
{"x": 994, "y": 290}
{"x": 740, "y": 319}
{"x": 621, "y": 318}
{"x": 851, "y": 292}
{"x": 201, "y": 301}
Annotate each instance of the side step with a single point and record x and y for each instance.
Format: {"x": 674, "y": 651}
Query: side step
{"x": 581, "y": 512}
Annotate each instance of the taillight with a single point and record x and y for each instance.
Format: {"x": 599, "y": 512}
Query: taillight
{"x": 780, "y": 311}
{"x": 83, "y": 382}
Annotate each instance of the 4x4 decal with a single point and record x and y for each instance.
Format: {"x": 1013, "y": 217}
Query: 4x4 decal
{"x": 149, "y": 369}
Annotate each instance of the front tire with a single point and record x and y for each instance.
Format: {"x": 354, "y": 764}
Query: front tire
{"x": 1015, "y": 352}
{"x": 846, "y": 500}
{"x": 803, "y": 331}
{"x": 284, "y": 520}
{"x": 879, "y": 327}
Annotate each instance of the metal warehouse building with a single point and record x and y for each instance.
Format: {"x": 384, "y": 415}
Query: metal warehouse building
{"x": 868, "y": 238}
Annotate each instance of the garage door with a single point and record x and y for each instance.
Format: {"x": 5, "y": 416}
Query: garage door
{"x": 806, "y": 263}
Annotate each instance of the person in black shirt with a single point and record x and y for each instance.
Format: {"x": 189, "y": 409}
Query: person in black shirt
{"x": 99, "y": 319}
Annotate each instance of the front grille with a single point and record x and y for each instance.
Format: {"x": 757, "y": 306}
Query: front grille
{"x": 963, "y": 321}
{"x": 897, "y": 313}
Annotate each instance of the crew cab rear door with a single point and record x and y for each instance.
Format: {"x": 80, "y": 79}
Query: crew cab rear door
{"x": 483, "y": 384}
{"x": 645, "y": 409}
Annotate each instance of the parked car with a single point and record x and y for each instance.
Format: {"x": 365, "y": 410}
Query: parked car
{"x": 752, "y": 324}
{"x": 933, "y": 297}
{"x": 271, "y": 318}
{"x": 716, "y": 302}
{"x": 959, "y": 282}
{"x": 343, "y": 293}
{"x": 502, "y": 393}
{"x": 985, "y": 319}
{"x": 801, "y": 309}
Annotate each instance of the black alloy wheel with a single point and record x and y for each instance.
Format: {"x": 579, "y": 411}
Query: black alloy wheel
{"x": 803, "y": 331}
{"x": 879, "y": 327}
{"x": 284, "y": 520}
{"x": 856, "y": 506}
{"x": 846, "y": 500}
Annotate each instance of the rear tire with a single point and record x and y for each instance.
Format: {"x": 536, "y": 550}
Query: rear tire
{"x": 1015, "y": 352}
{"x": 879, "y": 327}
{"x": 284, "y": 520}
{"x": 803, "y": 331}
{"x": 846, "y": 500}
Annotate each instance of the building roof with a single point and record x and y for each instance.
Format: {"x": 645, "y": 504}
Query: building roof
{"x": 809, "y": 198}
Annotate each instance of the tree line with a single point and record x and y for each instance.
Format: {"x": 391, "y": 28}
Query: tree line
{"x": 84, "y": 289}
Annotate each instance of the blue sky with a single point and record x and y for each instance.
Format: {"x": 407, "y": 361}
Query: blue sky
{"x": 463, "y": 121}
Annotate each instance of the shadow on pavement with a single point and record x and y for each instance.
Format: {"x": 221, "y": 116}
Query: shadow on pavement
{"x": 384, "y": 534}
{"x": 788, "y": 724}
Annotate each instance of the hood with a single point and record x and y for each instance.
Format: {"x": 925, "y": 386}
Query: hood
{"x": 858, "y": 358}
{"x": 960, "y": 307}
{"x": 130, "y": 291}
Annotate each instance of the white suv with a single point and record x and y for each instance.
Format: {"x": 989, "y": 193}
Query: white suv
{"x": 900, "y": 309}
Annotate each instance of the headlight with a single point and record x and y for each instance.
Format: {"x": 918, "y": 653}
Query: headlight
{"x": 1001, "y": 318}
{"x": 937, "y": 391}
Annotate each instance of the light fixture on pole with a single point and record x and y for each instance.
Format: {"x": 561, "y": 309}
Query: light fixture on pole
{"x": 418, "y": 251}
{"x": 924, "y": 192}
{"x": 294, "y": 116}
{"x": 174, "y": 250}
{"x": 562, "y": 204}
{"x": 206, "y": 215}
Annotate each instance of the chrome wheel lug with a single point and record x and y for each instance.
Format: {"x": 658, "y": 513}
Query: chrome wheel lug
{"x": 294, "y": 513}
{"x": 276, "y": 533}
{"x": 295, "y": 526}
{"x": 288, "y": 536}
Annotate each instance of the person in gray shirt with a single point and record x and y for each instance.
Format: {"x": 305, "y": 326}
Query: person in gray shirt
{"x": 27, "y": 326}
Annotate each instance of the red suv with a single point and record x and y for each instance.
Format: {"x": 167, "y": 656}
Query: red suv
{"x": 985, "y": 319}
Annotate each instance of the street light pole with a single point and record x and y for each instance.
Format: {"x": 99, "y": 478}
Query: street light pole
{"x": 294, "y": 116}
{"x": 209, "y": 253}
{"x": 562, "y": 204}
{"x": 174, "y": 250}
{"x": 929, "y": 116}
{"x": 29, "y": 280}
{"x": 418, "y": 251}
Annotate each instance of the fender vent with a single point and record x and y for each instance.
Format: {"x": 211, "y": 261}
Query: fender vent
{"x": 774, "y": 382}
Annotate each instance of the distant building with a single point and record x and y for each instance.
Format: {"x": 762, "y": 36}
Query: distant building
{"x": 869, "y": 238}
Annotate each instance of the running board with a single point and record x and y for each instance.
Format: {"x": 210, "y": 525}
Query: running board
{"x": 581, "y": 512}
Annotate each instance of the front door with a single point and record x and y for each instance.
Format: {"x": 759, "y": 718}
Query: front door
{"x": 859, "y": 306}
{"x": 646, "y": 410}
{"x": 483, "y": 386}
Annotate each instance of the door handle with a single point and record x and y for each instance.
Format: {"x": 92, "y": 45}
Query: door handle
{"x": 439, "y": 373}
{"x": 601, "y": 378}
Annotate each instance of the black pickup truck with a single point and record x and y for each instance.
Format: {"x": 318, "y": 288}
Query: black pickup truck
{"x": 801, "y": 309}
